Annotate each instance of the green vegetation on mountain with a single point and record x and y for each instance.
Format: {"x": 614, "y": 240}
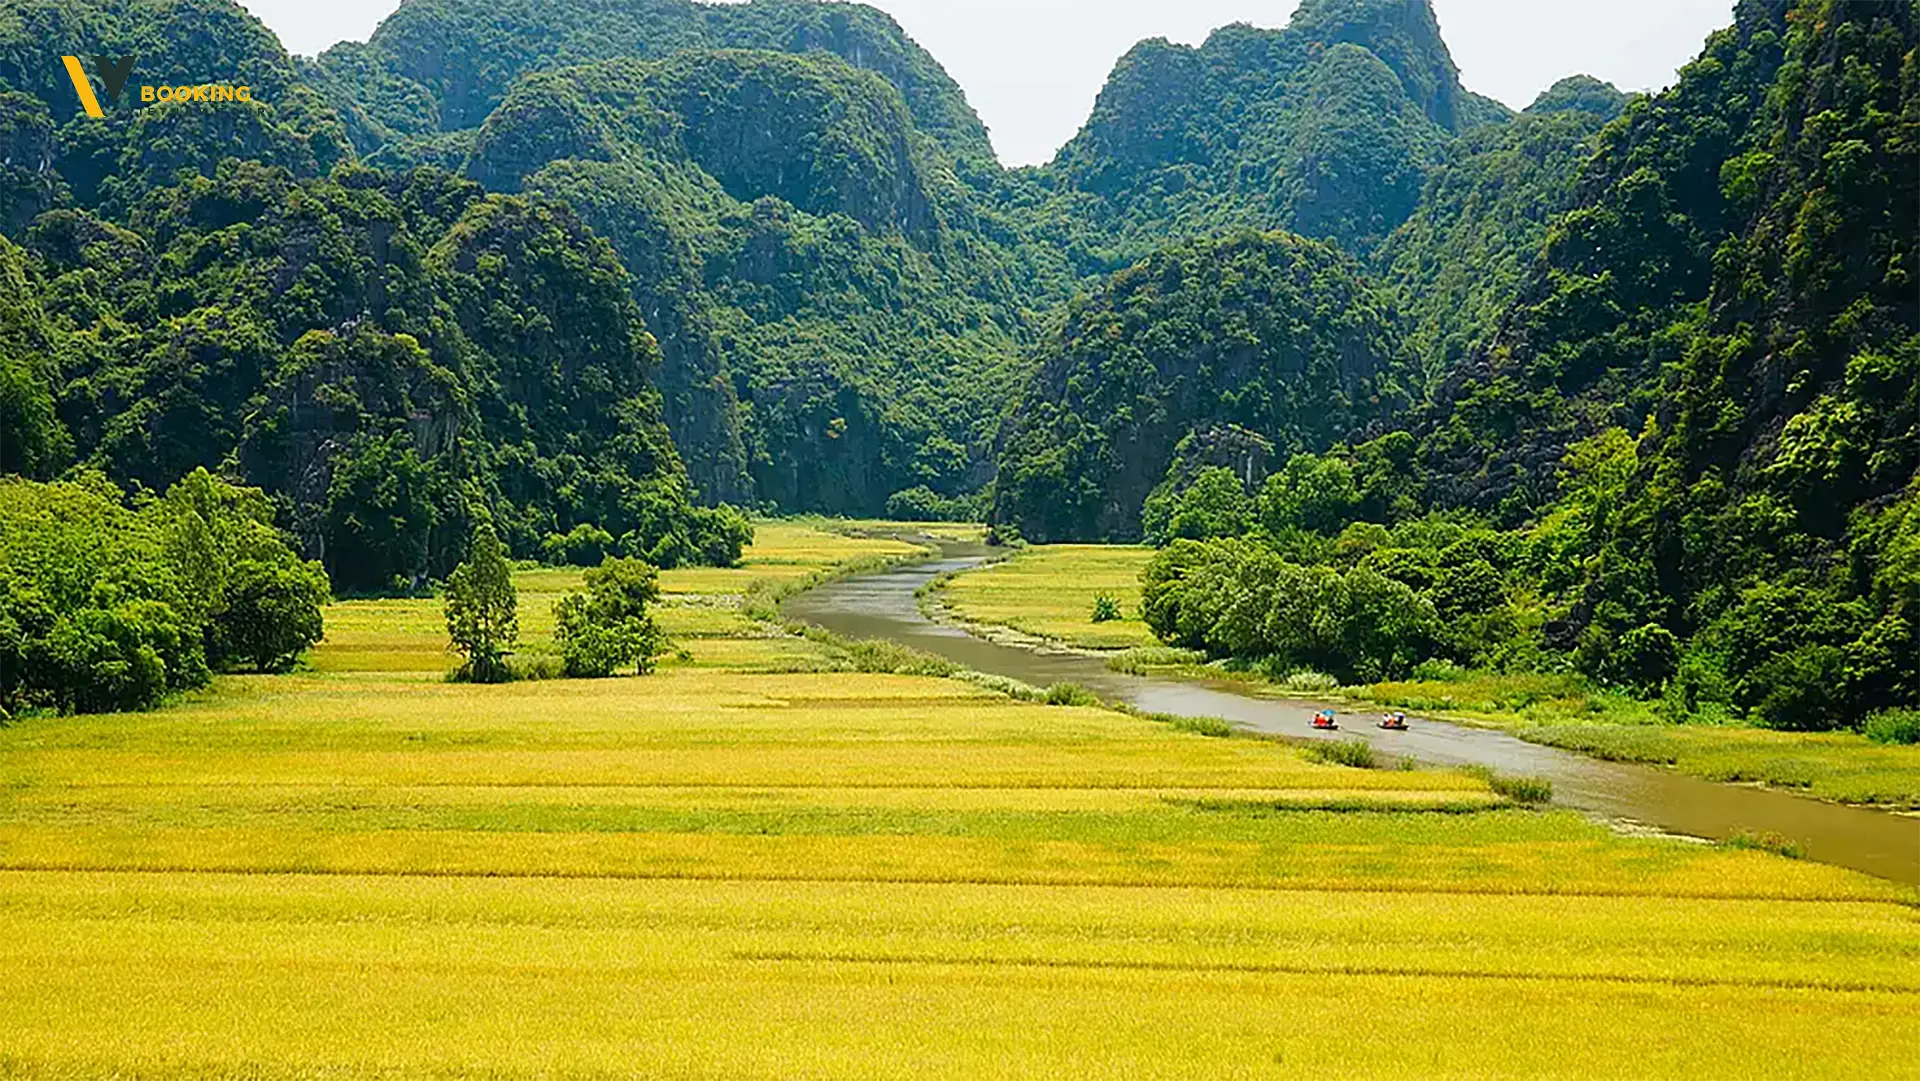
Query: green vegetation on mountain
{"x": 1455, "y": 265}
{"x": 1327, "y": 128}
{"x": 1688, "y": 462}
{"x": 380, "y": 354}
{"x": 835, "y": 328}
{"x": 446, "y": 65}
{"x": 110, "y": 163}
{"x": 1263, "y": 333}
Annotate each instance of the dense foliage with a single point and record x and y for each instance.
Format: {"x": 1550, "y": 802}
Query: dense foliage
{"x": 1206, "y": 341}
{"x": 444, "y": 65}
{"x": 833, "y": 331}
{"x": 1455, "y": 264}
{"x": 108, "y": 605}
{"x": 1327, "y": 128}
{"x": 1686, "y": 464}
{"x": 375, "y": 351}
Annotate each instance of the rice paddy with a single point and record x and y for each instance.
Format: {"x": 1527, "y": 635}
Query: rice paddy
{"x": 753, "y": 865}
{"x": 1049, "y": 591}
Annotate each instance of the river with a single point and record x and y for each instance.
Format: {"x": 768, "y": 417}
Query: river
{"x": 882, "y": 605}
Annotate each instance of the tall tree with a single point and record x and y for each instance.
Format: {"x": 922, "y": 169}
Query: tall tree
{"x": 483, "y": 610}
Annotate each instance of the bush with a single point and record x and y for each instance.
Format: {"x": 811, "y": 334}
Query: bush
{"x": 1012, "y": 688}
{"x": 1528, "y": 790}
{"x": 1070, "y": 694}
{"x": 1140, "y": 660}
{"x": 1307, "y": 681}
{"x": 1211, "y": 727}
{"x": 584, "y": 546}
{"x": 1105, "y": 609}
{"x": 104, "y": 607}
{"x": 1354, "y": 753}
{"x": 1778, "y": 844}
{"x": 1644, "y": 659}
{"x": 1531, "y": 790}
{"x": 271, "y": 613}
{"x": 1900, "y": 726}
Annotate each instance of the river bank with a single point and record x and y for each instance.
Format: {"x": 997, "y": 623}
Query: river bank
{"x": 885, "y": 605}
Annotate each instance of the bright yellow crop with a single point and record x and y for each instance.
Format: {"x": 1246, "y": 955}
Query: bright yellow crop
{"x": 1049, "y": 592}
{"x": 742, "y": 866}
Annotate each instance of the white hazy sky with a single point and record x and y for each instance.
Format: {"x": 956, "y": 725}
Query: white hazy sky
{"x": 1031, "y": 68}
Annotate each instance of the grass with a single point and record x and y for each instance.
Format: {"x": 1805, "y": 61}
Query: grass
{"x": 1352, "y": 753}
{"x": 764, "y": 862}
{"x": 1051, "y": 591}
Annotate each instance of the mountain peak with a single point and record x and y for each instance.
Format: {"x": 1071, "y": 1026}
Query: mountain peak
{"x": 1581, "y": 93}
{"x": 1403, "y": 33}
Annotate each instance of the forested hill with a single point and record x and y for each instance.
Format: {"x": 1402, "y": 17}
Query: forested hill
{"x": 1328, "y": 127}
{"x": 438, "y": 66}
{"x": 1686, "y": 457}
{"x": 388, "y": 355}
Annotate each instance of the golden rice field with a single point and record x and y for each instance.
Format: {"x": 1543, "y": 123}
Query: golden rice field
{"x": 1048, "y": 591}
{"x": 747, "y": 865}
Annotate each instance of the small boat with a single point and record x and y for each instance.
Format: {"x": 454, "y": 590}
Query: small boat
{"x": 1394, "y": 722}
{"x": 1324, "y": 720}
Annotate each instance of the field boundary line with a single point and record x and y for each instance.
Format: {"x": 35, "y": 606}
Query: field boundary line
{"x": 956, "y": 880}
{"x": 1785, "y": 983}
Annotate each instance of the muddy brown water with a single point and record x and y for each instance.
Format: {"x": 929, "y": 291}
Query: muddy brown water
{"x": 882, "y": 604}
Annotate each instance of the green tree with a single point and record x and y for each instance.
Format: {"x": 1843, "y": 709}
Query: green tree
{"x": 1311, "y": 492}
{"x": 1214, "y": 505}
{"x": 270, "y": 613}
{"x": 482, "y": 610}
{"x": 608, "y": 626}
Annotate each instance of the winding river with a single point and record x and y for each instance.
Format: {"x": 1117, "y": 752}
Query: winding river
{"x": 882, "y": 605}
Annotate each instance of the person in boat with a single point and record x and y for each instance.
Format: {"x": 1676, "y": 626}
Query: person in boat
{"x": 1323, "y": 719}
{"x": 1395, "y": 719}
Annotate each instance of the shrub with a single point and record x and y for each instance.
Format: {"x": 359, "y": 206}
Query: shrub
{"x": 1105, "y": 609}
{"x": 106, "y": 607}
{"x": 1214, "y": 505}
{"x": 880, "y": 655}
{"x": 1139, "y": 660}
{"x": 482, "y": 611}
{"x": 1012, "y": 688}
{"x": 1353, "y": 753}
{"x": 1528, "y": 790}
{"x": 1211, "y": 727}
{"x": 1308, "y": 681}
{"x": 533, "y": 667}
{"x": 1644, "y": 659}
{"x": 1531, "y": 790}
{"x": 1894, "y": 726}
{"x": 1778, "y": 844}
{"x": 584, "y": 546}
{"x": 1070, "y": 694}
